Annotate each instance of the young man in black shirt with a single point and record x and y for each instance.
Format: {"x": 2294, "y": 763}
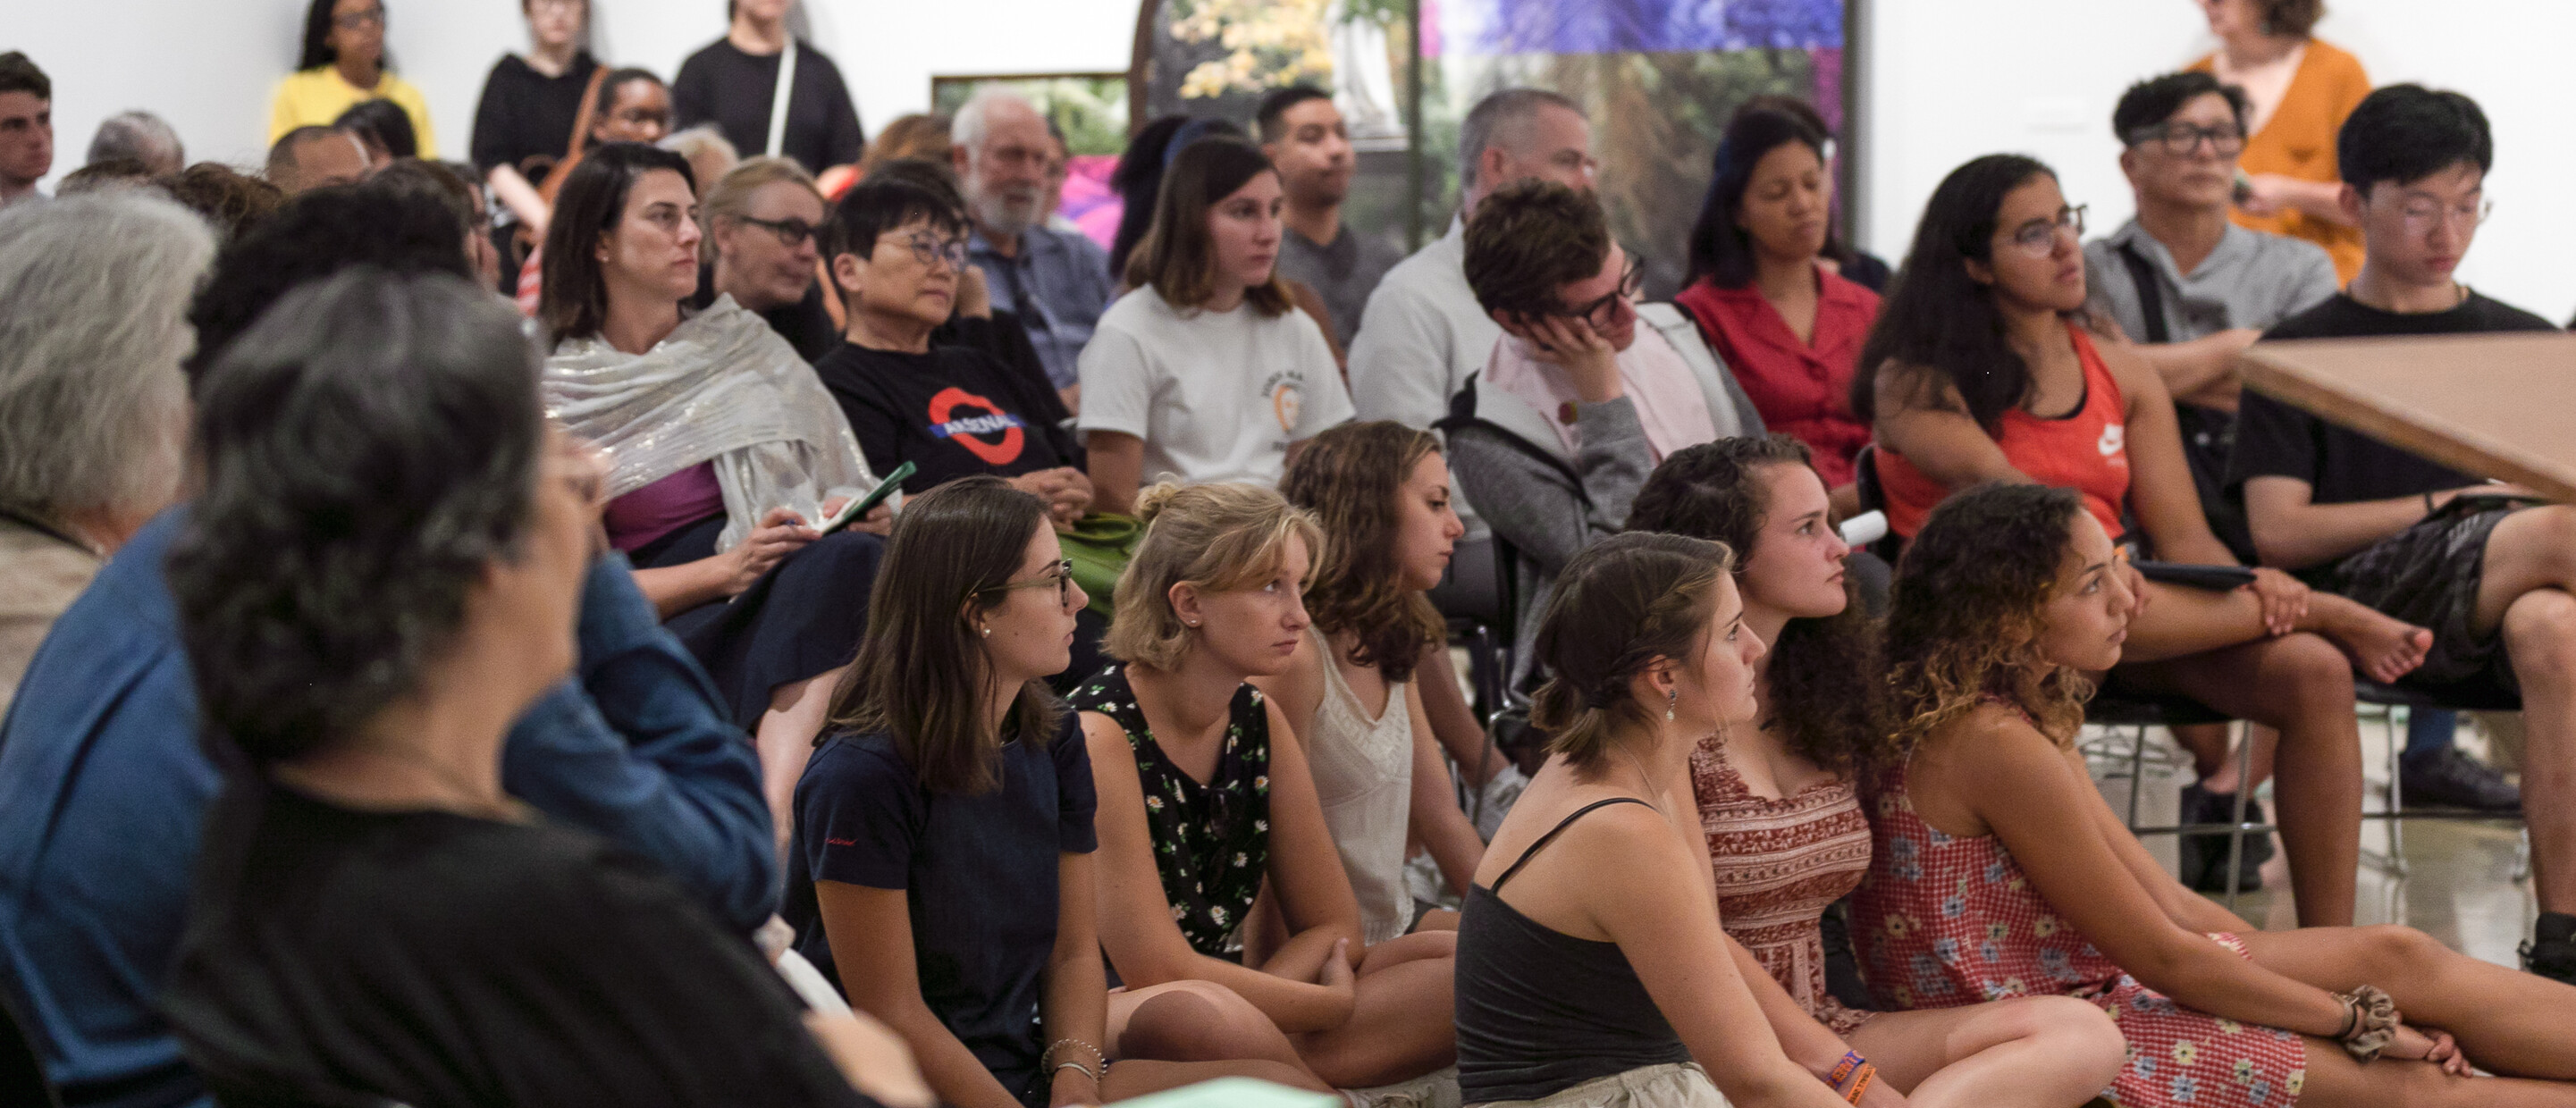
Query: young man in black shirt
{"x": 2410, "y": 537}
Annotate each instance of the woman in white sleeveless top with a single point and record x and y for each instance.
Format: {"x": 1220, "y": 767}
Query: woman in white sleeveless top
{"x": 1381, "y": 491}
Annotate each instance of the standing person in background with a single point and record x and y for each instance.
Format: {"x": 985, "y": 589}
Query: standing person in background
{"x": 633, "y": 106}
{"x": 764, "y": 225}
{"x": 733, "y": 83}
{"x": 1057, "y": 282}
{"x": 343, "y": 62}
{"x": 2299, "y": 90}
{"x": 142, "y": 136}
{"x": 525, "y": 120}
{"x": 1775, "y": 313}
{"x": 1305, "y": 137}
{"x": 26, "y": 128}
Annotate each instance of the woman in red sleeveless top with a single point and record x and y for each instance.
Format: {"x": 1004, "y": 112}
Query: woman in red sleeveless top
{"x": 1997, "y": 870}
{"x": 1979, "y": 370}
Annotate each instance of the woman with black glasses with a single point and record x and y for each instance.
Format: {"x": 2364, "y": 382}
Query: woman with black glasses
{"x": 763, "y": 223}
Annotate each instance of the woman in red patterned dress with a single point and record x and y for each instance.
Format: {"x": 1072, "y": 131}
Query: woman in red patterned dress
{"x": 1786, "y": 837}
{"x": 1999, "y": 871}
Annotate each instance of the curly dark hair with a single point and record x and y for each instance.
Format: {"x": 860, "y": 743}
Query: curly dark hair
{"x": 1821, "y": 674}
{"x": 370, "y": 450}
{"x": 317, "y": 234}
{"x": 1964, "y": 622}
{"x": 1349, "y": 478}
{"x": 1530, "y": 238}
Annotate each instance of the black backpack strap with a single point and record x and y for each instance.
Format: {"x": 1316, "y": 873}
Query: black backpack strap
{"x": 2151, "y": 293}
{"x": 1462, "y": 414}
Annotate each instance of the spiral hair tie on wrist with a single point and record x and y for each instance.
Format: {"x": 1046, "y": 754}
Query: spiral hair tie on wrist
{"x": 2372, "y": 1023}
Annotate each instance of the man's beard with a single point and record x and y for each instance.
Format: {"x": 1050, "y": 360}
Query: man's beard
{"x": 1001, "y": 212}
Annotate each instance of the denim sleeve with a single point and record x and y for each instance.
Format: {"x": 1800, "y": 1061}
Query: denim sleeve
{"x": 640, "y": 751}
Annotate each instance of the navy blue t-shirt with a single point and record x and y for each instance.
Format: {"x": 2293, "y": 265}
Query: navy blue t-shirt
{"x": 979, "y": 871}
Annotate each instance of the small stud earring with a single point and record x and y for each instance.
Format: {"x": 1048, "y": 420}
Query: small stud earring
{"x": 1670, "y": 699}
{"x": 988, "y": 633}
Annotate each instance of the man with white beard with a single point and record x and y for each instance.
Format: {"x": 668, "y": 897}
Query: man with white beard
{"x": 1057, "y": 282}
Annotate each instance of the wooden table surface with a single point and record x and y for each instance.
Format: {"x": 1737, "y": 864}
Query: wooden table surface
{"x": 2499, "y": 405}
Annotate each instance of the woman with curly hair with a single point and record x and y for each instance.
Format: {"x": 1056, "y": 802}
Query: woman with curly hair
{"x": 1997, "y": 870}
{"x": 1381, "y": 490}
{"x": 1785, "y": 835}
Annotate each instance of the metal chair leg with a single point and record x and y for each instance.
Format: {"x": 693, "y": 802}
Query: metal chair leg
{"x": 2137, "y": 771}
{"x": 2396, "y": 794}
{"x": 2244, "y": 792}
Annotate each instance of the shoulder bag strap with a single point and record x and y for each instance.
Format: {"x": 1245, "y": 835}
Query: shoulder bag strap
{"x": 2151, "y": 293}
{"x": 779, "y": 97}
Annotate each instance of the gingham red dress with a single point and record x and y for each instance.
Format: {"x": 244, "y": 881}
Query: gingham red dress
{"x": 1943, "y": 921}
{"x": 1779, "y": 864}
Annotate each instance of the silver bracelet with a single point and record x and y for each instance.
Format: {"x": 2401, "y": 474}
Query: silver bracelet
{"x": 1060, "y": 1067}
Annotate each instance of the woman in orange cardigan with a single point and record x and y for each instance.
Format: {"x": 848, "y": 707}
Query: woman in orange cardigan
{"x": 2300, "y": 90}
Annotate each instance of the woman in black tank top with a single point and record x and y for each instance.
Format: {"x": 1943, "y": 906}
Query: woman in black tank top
{"x": 1591, "y": 967}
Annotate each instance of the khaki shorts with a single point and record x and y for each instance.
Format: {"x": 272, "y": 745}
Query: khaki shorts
{"x": 1678, "y": 1085}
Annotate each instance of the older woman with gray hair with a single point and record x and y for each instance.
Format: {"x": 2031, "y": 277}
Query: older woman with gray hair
{"x": 94, "y": 297}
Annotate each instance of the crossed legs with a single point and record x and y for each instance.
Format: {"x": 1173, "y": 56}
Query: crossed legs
{"x": 2028, "y": 1052}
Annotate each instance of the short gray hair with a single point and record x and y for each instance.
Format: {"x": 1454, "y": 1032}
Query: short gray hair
{"x": 142, "y": 136}
{"x": 94, "y": 294}
{"x": 973, "y": 123}
{"x": 1502, "y": 119}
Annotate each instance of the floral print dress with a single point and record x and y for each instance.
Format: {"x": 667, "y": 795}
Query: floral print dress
{"x": 1212, "y": 840}
{"x": 1943, "y": 921}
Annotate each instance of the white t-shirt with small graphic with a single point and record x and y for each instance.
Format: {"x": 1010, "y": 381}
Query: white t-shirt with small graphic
{"x": 1216, "y": 396}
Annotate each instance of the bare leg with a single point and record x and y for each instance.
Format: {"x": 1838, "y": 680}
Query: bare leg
{"x": 2302, "y": 686}
{"x": 786, "y": 739}
{"x": 1199, "y": 1024}
{"x": 2032, "y": 1052}
{"x": 2207, "y": 743}
{"x": 2507, "y": 1021}
{"x": 2523, "y": 588}
{"x": 1404, "y": 1025}
{"x": 2336, "y": 1081}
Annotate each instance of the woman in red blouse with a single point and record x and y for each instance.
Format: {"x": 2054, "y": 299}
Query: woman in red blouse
{"x": 1788, "y": 326}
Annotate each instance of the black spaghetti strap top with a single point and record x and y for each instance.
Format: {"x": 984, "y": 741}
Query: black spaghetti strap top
{"x": 1540, "y": 1011}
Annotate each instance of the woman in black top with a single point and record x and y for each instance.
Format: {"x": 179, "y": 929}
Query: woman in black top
{"x": 525, "y": 119}
{"x": 734, "y": 81}
{"x": 373, "y": 919}
{"x": 1605, "y": 975}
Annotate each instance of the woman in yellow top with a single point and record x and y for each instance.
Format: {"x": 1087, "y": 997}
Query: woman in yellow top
{"x": 344, "y": 63}
{"x": 2300, "y": 90}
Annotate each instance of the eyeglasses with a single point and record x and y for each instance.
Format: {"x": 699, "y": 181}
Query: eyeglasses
{"x": 791, "y": 233}
{"x": 1062, "y": 579}
{"x": 930, "y": 251}
{"x": 359, "y": 19}
{"x": 2038, "y": 238}
{"x": 2421, "y": 215}
{"x": 2180, "y": 139}
{"x": 1631, "y": 282}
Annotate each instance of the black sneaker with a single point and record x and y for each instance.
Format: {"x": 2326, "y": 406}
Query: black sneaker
{"x": 2203, "y": 858}
{"x": 2447, "y": 778}
{"x": 2551, "y": 952}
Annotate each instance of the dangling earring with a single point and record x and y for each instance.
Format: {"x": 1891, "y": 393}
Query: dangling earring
{"x": 1670, "y": 699}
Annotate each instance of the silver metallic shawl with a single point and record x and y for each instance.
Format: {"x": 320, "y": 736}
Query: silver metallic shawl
{"x": 722, "y": 388}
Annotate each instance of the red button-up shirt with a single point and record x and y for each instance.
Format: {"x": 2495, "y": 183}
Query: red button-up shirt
{"x": 1802, "y": 389}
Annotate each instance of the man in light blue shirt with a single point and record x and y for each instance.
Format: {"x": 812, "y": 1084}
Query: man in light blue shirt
{"x": 1056, "y": 282}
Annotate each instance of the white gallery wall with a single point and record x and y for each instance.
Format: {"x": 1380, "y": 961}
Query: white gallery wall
{"x": 1944, "y": 81}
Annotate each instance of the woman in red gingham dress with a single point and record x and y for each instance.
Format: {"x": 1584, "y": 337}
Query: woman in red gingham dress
{"x": 1999, "y": 871}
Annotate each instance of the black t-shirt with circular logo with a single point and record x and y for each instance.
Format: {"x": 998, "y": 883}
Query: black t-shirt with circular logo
{"x": 951, "y": 412}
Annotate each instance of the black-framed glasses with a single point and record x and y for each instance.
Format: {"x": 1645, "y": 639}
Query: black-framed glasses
{"x": 1631, "y": 282}
{"x": 358, "y": 19}
{"x": 791, "y": 233}
{"x": 1061, "y": 578}
{"x": 2180, "y": 139}
{"x": 2038, "y": 238}
{"x": 930, "y": 251}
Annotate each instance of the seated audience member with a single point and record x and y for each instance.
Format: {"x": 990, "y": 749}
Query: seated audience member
{"x": 633, "y": 106}
{"x": 2214, "y": 287}
{"x": 456, "y": 190}
{"x": 382, "y": 128}
{"x": 115, "y": 173}
{"x": 142, "y": 136}
{"x": 1305, "y": 137}
{"x": 1427, "y": 333}
{"x": 732, "y": 83}
{"x": 1382, "y": 491}
{"x": 93, "y": 323}
{"x": 2403, "y": 534}
{"x": 1138, "y": 178}
{"x": 343, "y": 63}
{"x": 2299, "y": 90}
{"x": 313, "y": 157}
{"x": 1206, "y": 372}
{"x": 101, "y": 771}
{"x": 231, "y": 201}
{"x": 764, "y": 223}
{"x": 531, "y": 106}
{"x": 1576, "y": 403}
{"x": 1205, "y": 796}
{"x": 1786, "y": 837}
{"x": 375, "y": 918}
{"x": 975, "y": 322}
{"x": 943, "y": 875}
{"x": 1596, "y": 974}
{"x": 1861, "y": 267}
{"x": 916, "y": 136}
{"x": 1057, "y": 282}
{"x": 1980, "y": 369}
{"x": 26, "y": 128}
{"x": 1997, "y": 870}
{"x": 1783, "y": 323}
{"x": 710, "y": 155}
{"x": 726, "y": 453}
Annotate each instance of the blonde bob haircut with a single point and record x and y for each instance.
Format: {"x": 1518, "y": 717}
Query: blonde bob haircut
{"x": 1216, "y": 537}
